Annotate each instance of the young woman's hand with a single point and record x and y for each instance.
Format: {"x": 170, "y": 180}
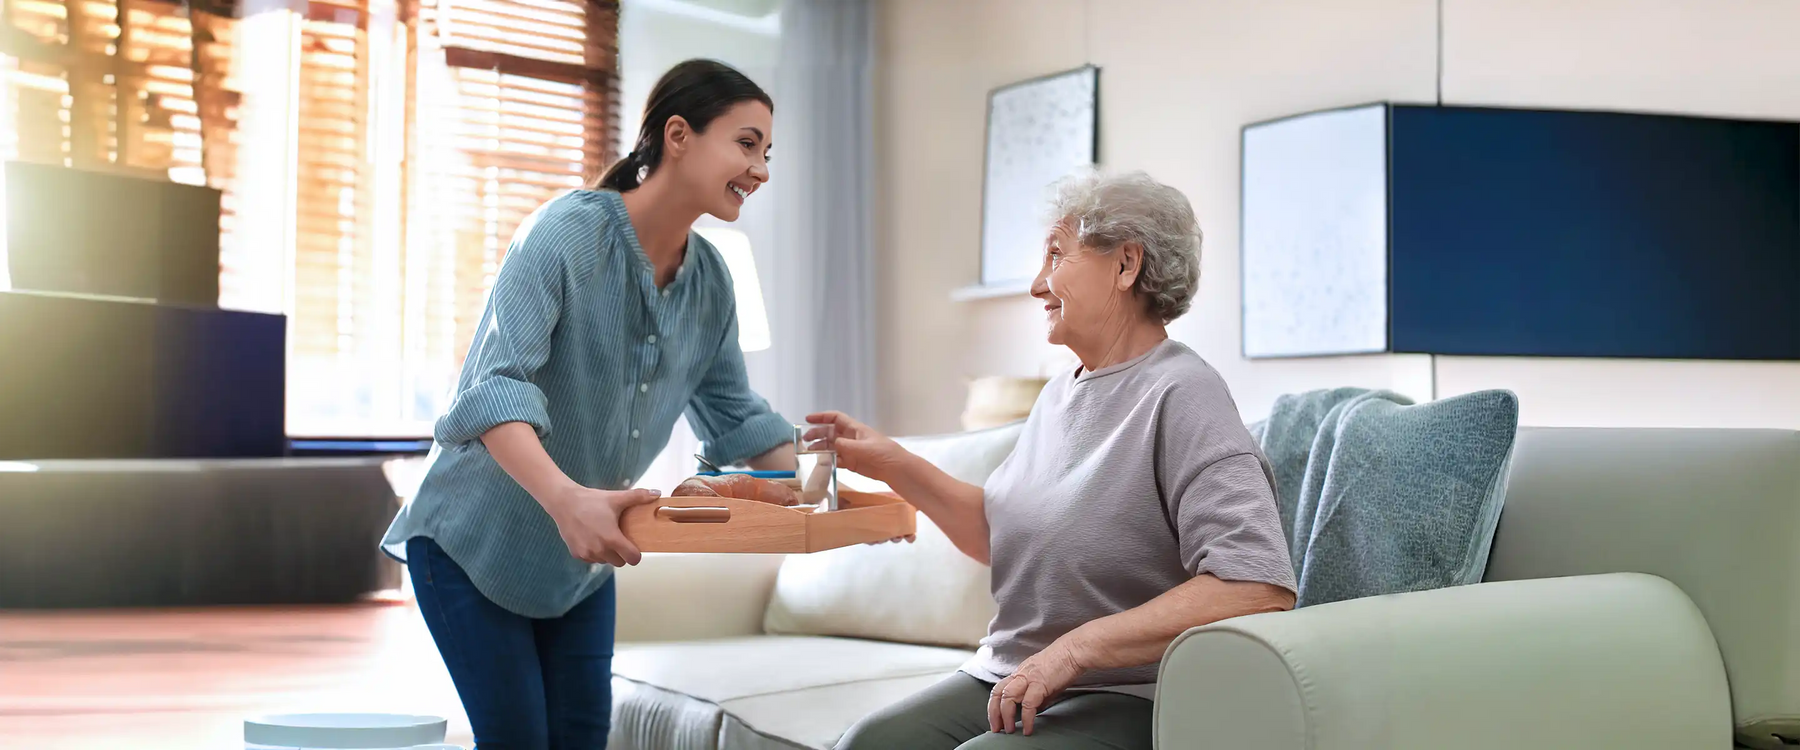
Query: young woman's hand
{"x": 859, "y": 447}
{"x": 588, "y": 520}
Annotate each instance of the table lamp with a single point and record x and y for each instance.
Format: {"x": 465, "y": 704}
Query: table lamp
{"x": 753, "y": 316}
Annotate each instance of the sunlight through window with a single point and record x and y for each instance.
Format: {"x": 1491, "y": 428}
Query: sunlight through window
{"x": 7, "y": 138}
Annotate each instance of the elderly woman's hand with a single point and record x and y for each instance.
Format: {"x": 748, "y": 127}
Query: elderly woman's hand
{"x": 1037, "y": 682}
{"x": 859, "y": 447}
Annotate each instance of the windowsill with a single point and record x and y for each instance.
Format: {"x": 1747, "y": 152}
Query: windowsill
{"x": 978, "y": 292}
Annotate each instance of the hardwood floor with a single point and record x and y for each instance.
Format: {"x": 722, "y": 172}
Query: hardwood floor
{"x": 187, "y": 679}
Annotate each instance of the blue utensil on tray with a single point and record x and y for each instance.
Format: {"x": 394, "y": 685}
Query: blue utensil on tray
{"x": 708, "y": 469}
{"x": 756, "y": 474}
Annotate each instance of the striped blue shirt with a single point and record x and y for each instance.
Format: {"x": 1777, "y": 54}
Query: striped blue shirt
{"x": 578, "y": 342}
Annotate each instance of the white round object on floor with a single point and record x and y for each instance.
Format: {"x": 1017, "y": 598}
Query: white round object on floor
{"x": 344, "y": 731}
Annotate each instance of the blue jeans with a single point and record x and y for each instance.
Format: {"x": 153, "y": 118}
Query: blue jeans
{"x": 526, "y": 684}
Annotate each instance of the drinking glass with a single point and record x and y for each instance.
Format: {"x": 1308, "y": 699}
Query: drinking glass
{"x": 816, "y": 448}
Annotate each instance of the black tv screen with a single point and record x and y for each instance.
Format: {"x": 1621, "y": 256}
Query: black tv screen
{"x": 76, "y": 231}
{"x": 1587, "y": 234}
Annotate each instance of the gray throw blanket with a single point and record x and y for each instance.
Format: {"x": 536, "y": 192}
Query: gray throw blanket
{"x": 1379, "y": 496}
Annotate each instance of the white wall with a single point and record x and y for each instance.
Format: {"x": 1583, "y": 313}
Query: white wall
{"x": 1179, "y": 78}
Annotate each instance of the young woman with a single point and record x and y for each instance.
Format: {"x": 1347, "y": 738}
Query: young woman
{"x": 608, "y": 319}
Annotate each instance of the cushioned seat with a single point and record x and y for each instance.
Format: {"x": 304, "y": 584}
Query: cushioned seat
{"x": 1508, "y": 664}
{"x": 762, "y": 691}
{"x": 769, "y": 652}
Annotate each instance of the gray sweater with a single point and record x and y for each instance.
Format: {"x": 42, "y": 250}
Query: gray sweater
{"x": 1126, "y": 482}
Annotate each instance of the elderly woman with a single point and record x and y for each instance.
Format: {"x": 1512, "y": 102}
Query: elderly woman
{"x": 1135, "y": 506}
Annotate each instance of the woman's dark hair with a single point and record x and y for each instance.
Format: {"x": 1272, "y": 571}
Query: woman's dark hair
{"x": 697, "y": 91}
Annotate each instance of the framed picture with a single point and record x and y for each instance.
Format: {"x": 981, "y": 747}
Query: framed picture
{"x": 1038, "y": 132}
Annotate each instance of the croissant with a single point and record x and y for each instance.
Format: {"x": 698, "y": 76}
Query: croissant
{"x": 738, "y": 486}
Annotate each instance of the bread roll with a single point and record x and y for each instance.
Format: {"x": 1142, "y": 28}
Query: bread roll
{"x": 739, "y": 486}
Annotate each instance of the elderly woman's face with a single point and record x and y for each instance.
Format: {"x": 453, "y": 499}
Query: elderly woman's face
{"x": 1082, "y": 288}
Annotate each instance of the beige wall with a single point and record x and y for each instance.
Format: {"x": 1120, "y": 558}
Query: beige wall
{"x": 1179, "y": 78}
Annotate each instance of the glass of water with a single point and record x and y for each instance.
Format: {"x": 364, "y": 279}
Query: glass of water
{"x": 816, "y": 447}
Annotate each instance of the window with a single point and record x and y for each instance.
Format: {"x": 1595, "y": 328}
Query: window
{"x": 515, "y": 102}
{"x": 37, "y": 95}
{"x": 389, "y": 150}
{"x": 339, "y": 307}
{"x": 114, "y": 87}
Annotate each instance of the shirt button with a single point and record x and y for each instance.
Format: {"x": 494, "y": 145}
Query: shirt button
{"x": 643, "y": 387}
{"x": 634, "y": 434}
{"x": 651, "y": 338}
{"x": 665, "y": 292}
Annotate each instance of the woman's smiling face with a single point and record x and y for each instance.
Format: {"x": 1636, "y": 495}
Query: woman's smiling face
{"x": 730, "y": 160}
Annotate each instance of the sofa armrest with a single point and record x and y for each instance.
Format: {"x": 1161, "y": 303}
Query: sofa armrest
{"x": 683, "y": 597}
{"x": 1593, "y": 661}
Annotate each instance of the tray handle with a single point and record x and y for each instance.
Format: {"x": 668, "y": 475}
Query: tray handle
{"x": 700, "y": 514}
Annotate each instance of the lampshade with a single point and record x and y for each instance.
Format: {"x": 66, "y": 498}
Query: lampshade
{"x": 753, "y": 317}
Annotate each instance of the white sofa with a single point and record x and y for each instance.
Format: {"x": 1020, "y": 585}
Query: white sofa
{"x": 1643, "y": 592}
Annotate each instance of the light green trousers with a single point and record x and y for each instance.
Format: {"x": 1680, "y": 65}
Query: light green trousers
{"x": 952, "y": 715}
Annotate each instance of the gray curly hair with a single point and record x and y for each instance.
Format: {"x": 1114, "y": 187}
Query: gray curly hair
{"x": 1111, "y": 211}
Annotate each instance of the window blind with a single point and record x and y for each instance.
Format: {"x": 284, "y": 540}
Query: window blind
{"x": 515, "y": 102}
{"x": 496, "y": 105}
{"x": 118, "y": 85}
{"x": 332, "y": 224}
{"x": 35, "y": 43}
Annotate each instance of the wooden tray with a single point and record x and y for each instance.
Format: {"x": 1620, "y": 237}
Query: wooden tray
{"x": 723, "y": 524}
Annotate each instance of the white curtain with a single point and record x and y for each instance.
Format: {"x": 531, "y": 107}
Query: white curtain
{"x": 821, "y": 269}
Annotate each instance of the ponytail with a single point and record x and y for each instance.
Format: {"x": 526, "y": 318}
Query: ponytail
{"x": 697, "y": 91}
{"x": 626, "y": 174}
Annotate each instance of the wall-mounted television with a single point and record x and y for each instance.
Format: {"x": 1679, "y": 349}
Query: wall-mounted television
{"x": 1502, "y": 232}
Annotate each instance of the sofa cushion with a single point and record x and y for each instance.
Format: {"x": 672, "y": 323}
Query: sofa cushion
{"x": 762, "y": 691}
{"x": 927, "y": 592}
{"x": 1379, "y": 496}
{"x": 646, "y": 716}
{"x": 817, "y": 717}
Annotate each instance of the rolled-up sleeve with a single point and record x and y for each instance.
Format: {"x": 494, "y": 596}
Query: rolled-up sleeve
{"x": 1219, "y": 495}
{"x": 513, "y": 342}
{"x": 1227, "y": 524}
{"x": 731, "y": 419}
